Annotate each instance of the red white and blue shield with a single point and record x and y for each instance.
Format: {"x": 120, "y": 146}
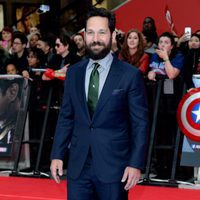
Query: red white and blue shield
{"x": 189, "y": 114}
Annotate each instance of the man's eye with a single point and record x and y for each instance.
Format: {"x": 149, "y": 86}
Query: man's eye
{"x": 102, "y": 32}
{"x": 89, "y": 33}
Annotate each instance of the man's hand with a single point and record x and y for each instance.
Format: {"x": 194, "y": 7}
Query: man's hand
{"x": 131, "y": 176}
{"x": 56, "y": 169}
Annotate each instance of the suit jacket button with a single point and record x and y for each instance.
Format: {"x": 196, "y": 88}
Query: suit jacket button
{"x": 91, "y": 128}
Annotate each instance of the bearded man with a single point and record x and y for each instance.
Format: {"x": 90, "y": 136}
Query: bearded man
{"x": 103, "y": 118}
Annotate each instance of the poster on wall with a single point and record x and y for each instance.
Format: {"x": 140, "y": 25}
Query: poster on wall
{"x": 27, "y": 17}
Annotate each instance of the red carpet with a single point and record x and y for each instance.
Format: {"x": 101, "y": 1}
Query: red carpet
{"x": 45, "y": 189}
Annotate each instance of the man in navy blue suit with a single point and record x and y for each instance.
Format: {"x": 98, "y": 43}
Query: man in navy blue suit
{"x": 107, "y": 141}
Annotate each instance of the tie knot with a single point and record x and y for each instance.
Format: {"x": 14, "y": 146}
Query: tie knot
{"x": 96, "y": 65}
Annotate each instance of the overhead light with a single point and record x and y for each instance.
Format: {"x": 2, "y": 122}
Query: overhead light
{"x": 43, "y": 9}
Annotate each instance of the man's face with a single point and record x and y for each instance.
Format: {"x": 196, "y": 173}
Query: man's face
{"x": 43, "y": 46}
{"x": 98, "y": 37}
{"x": 61, "y": 49}
{"x": 17, "y": 46}
{"x": 79, "y": 42}
{"x": 147, "y": 24}
{"x": 40, "y": 45}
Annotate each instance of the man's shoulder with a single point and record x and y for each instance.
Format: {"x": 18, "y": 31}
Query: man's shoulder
{"x": 79, "y": 65}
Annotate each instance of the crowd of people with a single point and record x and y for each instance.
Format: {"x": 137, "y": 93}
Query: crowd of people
{"x": 165, "y": 54}
{"x": 45, "y": 58}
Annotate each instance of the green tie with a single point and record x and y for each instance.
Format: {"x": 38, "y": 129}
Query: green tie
{"x": 93, "y": 89}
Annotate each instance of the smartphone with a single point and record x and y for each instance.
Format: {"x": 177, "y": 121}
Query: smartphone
{"x": 188, "y": 32}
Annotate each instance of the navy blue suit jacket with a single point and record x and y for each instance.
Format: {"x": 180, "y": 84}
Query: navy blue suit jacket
{"x": 117, "y": 133}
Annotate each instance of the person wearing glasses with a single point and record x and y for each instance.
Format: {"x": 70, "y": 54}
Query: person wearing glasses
{"x": 65, "y": 55}
{"x": 19, "y": 52}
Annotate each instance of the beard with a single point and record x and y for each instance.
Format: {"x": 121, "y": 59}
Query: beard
{"x": 97, "y": 55}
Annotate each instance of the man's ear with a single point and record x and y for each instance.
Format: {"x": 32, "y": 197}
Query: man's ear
{"x": 67, "y": 46}
{"x": 24, "y": 45}
{"x": 12, "y": 92}
{"x": 114, "y": 34}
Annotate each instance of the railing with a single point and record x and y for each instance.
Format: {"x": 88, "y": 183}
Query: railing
{"x": 155, "y": 148}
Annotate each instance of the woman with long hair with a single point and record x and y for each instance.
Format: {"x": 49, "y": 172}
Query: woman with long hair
{"x": 133, "y": 51}
{"x": 192, "y": 63}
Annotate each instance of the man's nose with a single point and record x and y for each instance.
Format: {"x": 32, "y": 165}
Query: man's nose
{"x": 95, "y": 37}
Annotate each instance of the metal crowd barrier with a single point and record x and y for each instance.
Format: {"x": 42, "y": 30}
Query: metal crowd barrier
{"x": 158, "y": 87}
{"x": 19, "y": 140}
{"x": 15, "y": 147}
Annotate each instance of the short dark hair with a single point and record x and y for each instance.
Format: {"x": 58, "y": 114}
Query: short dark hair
{"x": 38, "y": 53}
{"x": 48, "y": 40}
{"x": 21, "y": 36}
{"x": 64, "y": 38}
{"x": 102, "y": 12}
{"x": 169, "y": 35}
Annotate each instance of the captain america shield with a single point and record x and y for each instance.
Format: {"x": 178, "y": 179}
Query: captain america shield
{"x": 188, "y": 114}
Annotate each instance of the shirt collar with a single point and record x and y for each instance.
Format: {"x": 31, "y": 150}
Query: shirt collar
{"x": 103, "y": 62}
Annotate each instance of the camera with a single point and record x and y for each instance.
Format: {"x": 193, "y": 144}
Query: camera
{"x": 120, "y": 37}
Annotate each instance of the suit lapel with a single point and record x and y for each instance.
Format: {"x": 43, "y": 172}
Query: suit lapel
{"x": 111, "y": 83}
{"x": 80, "y": 87}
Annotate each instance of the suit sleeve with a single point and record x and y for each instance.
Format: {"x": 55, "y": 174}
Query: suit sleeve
{"x": 138, "y": 115}
{"x": 65, "y": 123}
